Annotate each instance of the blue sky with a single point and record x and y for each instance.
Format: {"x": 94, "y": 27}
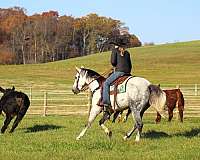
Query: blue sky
{"x": 158, "y": 21}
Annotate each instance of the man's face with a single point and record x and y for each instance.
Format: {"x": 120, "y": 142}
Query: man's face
{"x": 121, "y": 49}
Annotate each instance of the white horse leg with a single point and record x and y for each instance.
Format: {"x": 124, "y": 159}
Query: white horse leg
{"x": 93, "y": 114}
{"x": 139, "y": 125}
{"x": 106, "y": 130}
{"x": 101, "y": 123}
{"x": 82, "y": 132}
{"x": 137, "y": 138}
{"x": 130, "y": 133}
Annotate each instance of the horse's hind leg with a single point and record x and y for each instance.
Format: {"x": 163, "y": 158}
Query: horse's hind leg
{"x": 170, "y": 112}
{"x": 16, "y": 122}
{"x": 180, "y": 110}
{"x": 138, "y": 125}
{"x": 6, "y": 123}
{"x": 137, "y": 114}
{"x": 93, "y": 114}
{"x": 158, "y": 118}
{"x": 19, "y": 117}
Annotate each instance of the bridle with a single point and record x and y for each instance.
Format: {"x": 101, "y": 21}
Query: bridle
{"x": 86, "y": 85}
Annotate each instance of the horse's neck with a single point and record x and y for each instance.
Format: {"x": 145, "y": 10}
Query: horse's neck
{"x": 95, "y": 84}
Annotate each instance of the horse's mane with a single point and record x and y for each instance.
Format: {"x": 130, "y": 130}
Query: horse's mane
{"x": 92, "y": 73}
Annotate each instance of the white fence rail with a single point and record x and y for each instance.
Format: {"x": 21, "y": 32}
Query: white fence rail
{"x": 46, "y": 100}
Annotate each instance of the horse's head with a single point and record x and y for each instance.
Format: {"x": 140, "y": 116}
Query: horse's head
{"x": 80, "y": 80}
{"x": 84, "y": 77}
{"x": 6, "y": 91}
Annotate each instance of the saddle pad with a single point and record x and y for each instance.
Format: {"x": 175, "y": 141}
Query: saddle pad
{"x": 121, "y": 88}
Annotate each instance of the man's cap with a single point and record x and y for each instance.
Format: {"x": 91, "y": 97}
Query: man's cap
{"x": 119, "y": 42}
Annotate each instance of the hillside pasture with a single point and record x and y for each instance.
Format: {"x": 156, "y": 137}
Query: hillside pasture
{"x": 176, "y": 63}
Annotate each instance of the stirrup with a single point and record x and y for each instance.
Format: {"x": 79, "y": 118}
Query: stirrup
{"x": 108, "y": 109}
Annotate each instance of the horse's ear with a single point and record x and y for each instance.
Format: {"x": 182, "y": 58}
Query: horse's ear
{"x": 13, "y": 88}
{"x": 2, "y": 90}
{"x": 78, "y": 69}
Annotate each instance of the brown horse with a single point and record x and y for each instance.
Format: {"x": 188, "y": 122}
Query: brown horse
{"x": 174, "y": 98}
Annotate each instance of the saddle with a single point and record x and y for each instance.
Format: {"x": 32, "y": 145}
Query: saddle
{"x": 114, "y": 88}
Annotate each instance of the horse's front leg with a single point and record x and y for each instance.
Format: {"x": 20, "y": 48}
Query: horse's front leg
{"x": 6, "y": 123}
{"x": 93, "y": 114}
{"x": 126, "y": 116}
{"x": 105, "y": 117}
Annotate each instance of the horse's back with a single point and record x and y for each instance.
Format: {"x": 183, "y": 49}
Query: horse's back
{"x": 15, "y": 102}
{"x": 173, "y": 96}
{"x": 137, "y": 88}
{"x": 139, "y": 82}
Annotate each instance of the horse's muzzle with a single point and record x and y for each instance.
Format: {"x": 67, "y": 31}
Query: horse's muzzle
{"x": 75, "y": 91}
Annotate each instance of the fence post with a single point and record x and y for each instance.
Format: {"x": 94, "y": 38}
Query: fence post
{"x": 89, "y": 101}
{"x": 45, "y": 104}
{"x": 30, "y": 95}
{"x": 195, "y": 90}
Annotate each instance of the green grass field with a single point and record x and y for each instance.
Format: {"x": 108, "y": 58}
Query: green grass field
{"x": 53, "y": 137}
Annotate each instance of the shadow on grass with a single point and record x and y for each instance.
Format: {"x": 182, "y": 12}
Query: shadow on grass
{"x": 39, "y": 128}
{"x": 189, "y": 134}
{"x": 154, "y": 134}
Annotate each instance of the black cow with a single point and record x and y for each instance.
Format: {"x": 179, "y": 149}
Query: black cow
{"x": 13, "y": 103}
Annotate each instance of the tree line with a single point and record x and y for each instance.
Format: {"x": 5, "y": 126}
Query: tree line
{"x": 48, "y": 37}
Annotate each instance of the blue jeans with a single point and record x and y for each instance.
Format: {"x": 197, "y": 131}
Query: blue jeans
{"x": 106, "y": 86}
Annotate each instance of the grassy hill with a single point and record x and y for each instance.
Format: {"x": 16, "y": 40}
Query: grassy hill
{"x": 176, "y": 63}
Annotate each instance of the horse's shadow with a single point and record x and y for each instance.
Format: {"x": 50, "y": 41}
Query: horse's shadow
{"x": 188, "y": 134}
{"x": 155, "y": 134}
{"x": 40, "y": 128}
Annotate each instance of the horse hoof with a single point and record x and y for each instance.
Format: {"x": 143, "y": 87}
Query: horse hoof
{"x": 77, "y": 138}
{"x": 125, "y": 138}
{"x": 119, "y": 120}
{"x": 137, "y": 139}
{"x": 124, "y": 120}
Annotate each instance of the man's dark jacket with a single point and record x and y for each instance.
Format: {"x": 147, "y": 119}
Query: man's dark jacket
{"x": 121, "y": 63}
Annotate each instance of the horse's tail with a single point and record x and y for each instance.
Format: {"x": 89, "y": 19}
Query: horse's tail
{"x": 157, "y": 99}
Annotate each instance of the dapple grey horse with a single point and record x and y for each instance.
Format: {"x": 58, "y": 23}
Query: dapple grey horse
{"x": 139, "y": 96}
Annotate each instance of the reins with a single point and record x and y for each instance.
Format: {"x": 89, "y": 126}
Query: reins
{"x": 86, "y": 86}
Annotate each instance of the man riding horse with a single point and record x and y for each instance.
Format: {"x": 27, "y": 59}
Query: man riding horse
{"x": 121, "y": 61}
